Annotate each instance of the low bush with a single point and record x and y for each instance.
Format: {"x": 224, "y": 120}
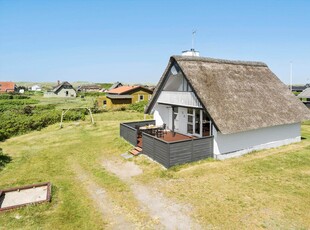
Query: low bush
{"x": 22, "y": 116}
{"x": 139, "y": 106}
{"x": 12, "y": 96}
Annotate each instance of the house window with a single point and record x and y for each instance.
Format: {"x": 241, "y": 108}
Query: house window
{"x": 206, "y": 125}
{"x": 67, "y": 93}
{"x": 141, "y": 97}
{"x": 197, "y": 122}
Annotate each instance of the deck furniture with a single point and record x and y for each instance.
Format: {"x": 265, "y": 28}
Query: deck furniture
{"x": 150, "y": 129}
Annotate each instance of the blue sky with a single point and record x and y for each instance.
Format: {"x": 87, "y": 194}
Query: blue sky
{"x": 131, "y": 41}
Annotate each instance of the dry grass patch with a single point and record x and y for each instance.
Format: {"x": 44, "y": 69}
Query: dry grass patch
{"x": 266, "y": 189}
{"x": 45, "y": 156}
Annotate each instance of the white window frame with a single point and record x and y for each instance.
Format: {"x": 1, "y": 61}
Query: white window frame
{"x": 139, "y": 95}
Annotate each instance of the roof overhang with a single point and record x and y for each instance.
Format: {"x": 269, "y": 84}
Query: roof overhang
{"x": 116, "y": 96}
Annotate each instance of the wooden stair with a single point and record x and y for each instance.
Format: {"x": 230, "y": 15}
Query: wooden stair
{"x": 136, "y": 151}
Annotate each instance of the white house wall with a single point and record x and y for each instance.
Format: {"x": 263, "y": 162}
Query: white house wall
{"x": 234, "y": 145}
{"x": 179, "y": 99}
{"x": 61, "y": 93}
{"x": 71, "y": 93}
{"x": 163, "y": 114}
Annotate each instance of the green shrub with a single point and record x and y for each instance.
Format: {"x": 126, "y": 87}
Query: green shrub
{"x": 139, "y": 106}
{"x": 119, "y": 108}
{"x": 12, "y": 96}
{"x": 21, "y": 118}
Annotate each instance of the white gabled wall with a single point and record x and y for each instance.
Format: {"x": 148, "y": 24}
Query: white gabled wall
{"x": 233, "y": 145}
{"x": 163, "y": 114}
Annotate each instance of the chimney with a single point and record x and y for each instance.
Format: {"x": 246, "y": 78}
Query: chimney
{"x": 58, "y": 82}
{"x": 191, "y": 52}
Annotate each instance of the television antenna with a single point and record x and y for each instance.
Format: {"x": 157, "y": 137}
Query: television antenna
{"x": 193, "y": 39}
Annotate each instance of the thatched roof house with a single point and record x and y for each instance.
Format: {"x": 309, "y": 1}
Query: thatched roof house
{"x": 89, "y": 88}
{"x": 115, "y": 85}
{"x": 64, "y": 89}
{"x": 305, "y": 93}
{"x": 240, "y": 99}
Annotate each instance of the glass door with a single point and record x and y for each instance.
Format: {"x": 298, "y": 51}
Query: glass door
{"x": 198, "y": 122}
{"x": 175, "y": 119}
{"x": 206, "y": 125}
{"x": 190, "y": 120}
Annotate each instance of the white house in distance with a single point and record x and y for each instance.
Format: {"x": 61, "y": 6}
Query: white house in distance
{"x": 243, "y": 105}
{"x": 65, "y": 89}
{"x": 36, "y": 88}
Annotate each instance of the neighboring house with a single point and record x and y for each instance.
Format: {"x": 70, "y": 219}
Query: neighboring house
{"x": 36, "y": 88}
{"x": 65, "y": 89}
{"x": 229, "y": 108}
{"x": 125, "y": 95}
{"x": 115, "y": 85}
{"x": 299, "y": 88}
{"x": 89, "y": 88}
{"x": 305, "y": 94}
{"x": 7, "y": 87}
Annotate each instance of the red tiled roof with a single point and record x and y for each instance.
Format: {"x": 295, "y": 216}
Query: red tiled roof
{"x": 122, "y": 89}
{"x": 7, "y": 86}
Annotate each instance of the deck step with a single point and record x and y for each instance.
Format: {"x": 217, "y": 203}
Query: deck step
{"x": 138, "y": 148}
{"x": 134, "y": 152}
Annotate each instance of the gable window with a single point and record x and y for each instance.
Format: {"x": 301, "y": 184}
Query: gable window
{"x": 174, "y": 70}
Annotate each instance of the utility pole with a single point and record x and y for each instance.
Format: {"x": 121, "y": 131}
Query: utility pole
{"x": 291, "y": 76}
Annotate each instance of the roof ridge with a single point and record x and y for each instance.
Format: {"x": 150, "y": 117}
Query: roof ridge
{"x": 215, "y": 60}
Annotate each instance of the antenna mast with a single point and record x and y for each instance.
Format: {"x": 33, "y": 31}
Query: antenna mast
{"x": 193, "y": 39}
{"x": 291, "y": 75}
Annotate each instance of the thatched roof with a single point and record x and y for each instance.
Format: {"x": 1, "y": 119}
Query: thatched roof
{"x": 115, "y": 85}
{"x": 305, "y": 93}
{"x": 60, "y": 86}
{"x": 238, "y": 96}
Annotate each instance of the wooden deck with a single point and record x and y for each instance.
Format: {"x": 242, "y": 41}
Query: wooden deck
{"x": 169, "y": 137}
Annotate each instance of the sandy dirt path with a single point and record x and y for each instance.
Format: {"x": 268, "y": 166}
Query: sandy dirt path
{"x": 111, "y": 213}
{"x": 169, "y": 214}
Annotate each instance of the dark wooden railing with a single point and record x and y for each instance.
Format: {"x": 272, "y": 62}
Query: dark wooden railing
{"x": 129, "y": 132}
{"x": 167, "y": 153}
{"x": 177, "y": 152}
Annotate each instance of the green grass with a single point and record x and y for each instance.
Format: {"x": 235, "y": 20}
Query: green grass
{"x": 266, "y": 189}
{"x": 47, "y": 155}
{"x": 66, "y": 103}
